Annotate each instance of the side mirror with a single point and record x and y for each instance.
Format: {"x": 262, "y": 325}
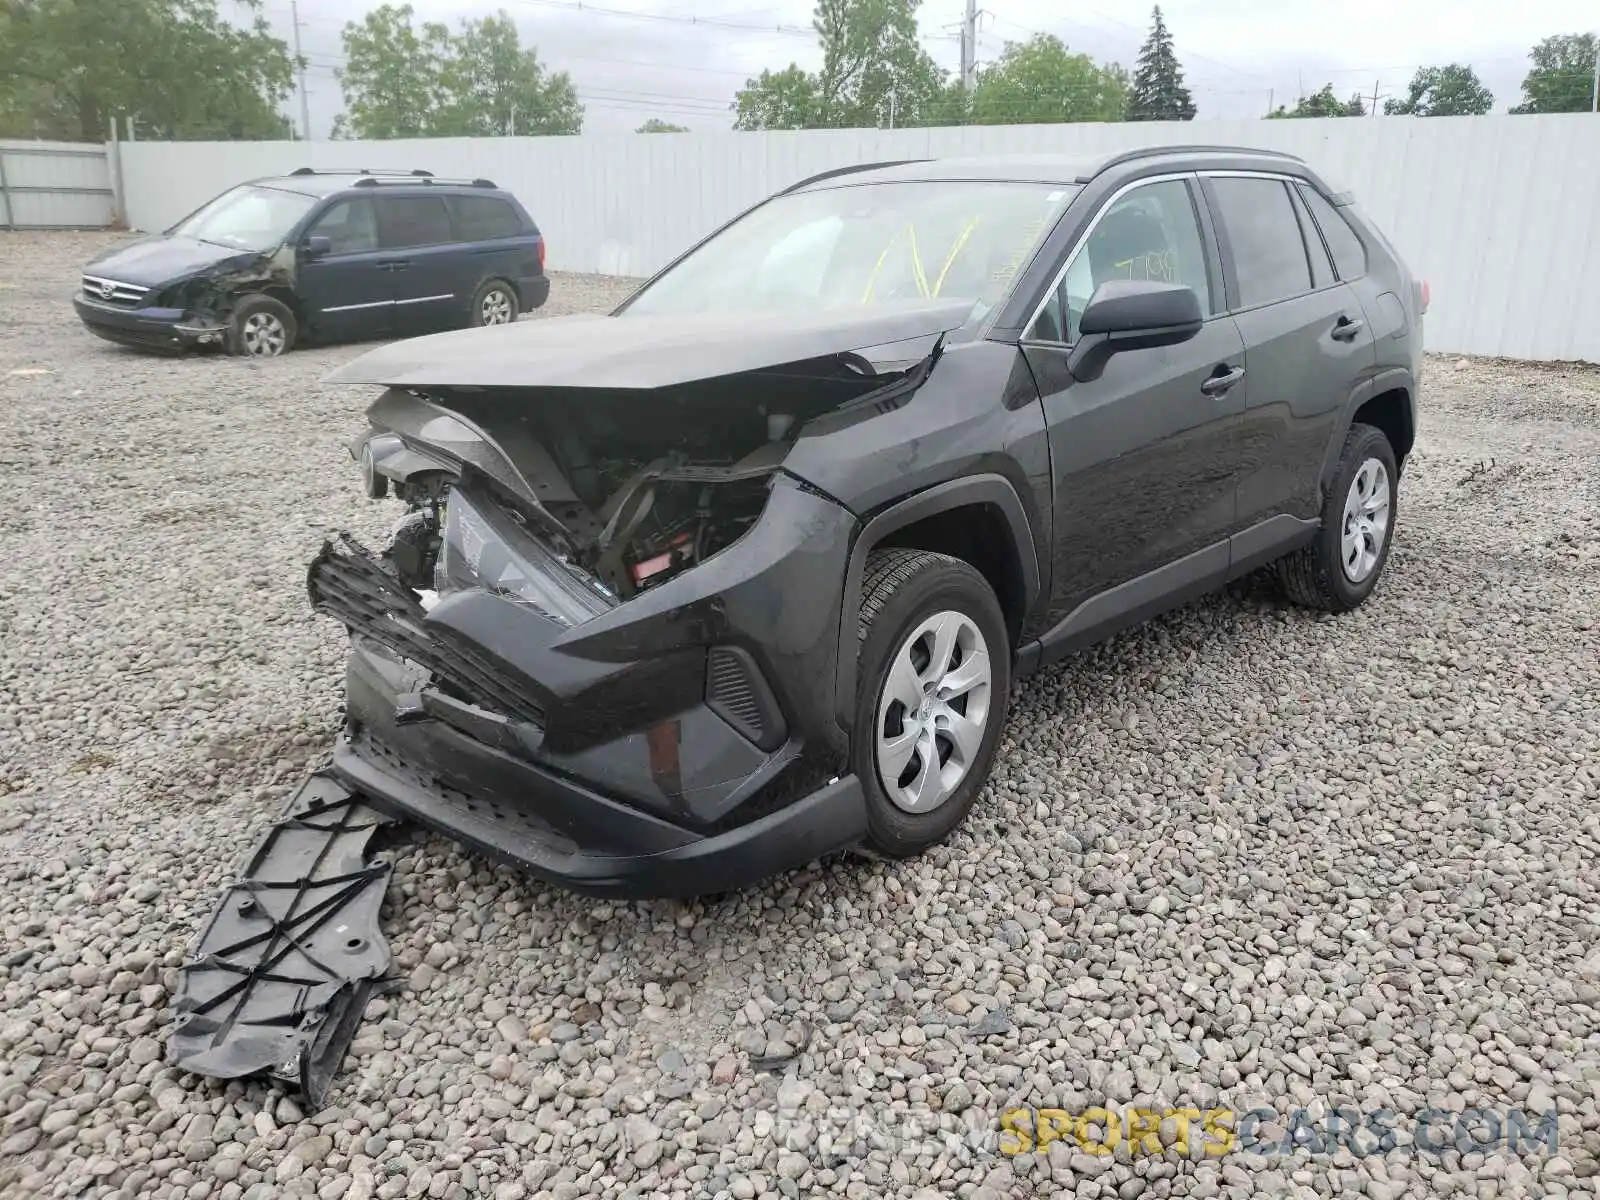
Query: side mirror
{"x": 316, "y": 247}
{"x": 1132, "y": 314}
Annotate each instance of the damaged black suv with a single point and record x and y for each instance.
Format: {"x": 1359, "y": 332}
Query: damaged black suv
{"x": 741, "y": 573}
{"x": 323, "y": 256}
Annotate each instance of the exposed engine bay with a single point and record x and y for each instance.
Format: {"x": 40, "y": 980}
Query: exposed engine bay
{"x": 622, "y": 489}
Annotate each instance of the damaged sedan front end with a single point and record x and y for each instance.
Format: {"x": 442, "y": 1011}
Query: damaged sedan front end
{"x": 602, "y": 642}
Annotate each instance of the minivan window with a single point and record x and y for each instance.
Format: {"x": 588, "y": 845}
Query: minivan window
{"x": 1349, "y": 255}
{"x": 348, "y": 225}
{"x": 483, "y": 218}
{"x": 248, "y": 217}
{"x": 1149, "y": 233}
{"x": 412, "y": 221}
{"x": 1269, "y": 258}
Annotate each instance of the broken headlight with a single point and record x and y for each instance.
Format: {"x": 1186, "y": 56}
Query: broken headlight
{"x": 485, "y": 546}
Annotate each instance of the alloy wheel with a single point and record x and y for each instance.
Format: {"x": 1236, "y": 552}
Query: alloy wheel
{"x": 1366, "y": 521}
{"x": 933, "y": 711}
{"x": 496, "y": 307}
{"x": 264, "y": 335}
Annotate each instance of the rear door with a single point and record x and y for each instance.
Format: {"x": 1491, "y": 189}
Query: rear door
{"x": 498, "y": 241}
{"x": 430, "y": 272}
{"x": 1308, "y": 344}
{"x": 346, "y": 294}
{"x": 1144, "y": 458}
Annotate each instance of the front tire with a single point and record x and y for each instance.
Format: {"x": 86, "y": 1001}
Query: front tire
{"x": 1340, "y": 569}
{"x": 495, "y": 304}
{"x": 933, "y": 687}
{"x": 261, "y": 328}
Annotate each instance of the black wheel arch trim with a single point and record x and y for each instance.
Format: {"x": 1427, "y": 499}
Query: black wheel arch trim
{"x": 1395, "y": 378}
{"x": 966, "y": 492}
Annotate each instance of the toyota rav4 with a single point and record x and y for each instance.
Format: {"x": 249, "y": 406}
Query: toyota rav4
{"x": 741, "y": 573}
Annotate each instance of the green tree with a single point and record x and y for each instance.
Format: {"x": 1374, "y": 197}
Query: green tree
{"x": 401, "y": 80}
{"x": 874, "y": 72}
{"x": 1039, "y": 81}
{"x": 1158, "y": 92}
{"x": 175, "y": 66}
{"x": 1322, "y": 103}
{"x": 1449, "y": 91}
{"x": 785, "y": 99}
{"x": 1562, "y": 78}
{"x": 657, "y": 125}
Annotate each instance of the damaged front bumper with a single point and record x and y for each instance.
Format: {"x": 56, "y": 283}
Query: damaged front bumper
{"x": 162, "y": 328}
{"x": 681, "y": 743}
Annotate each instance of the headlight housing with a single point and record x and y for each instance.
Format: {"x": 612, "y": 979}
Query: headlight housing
{"x": 485, "y": 546}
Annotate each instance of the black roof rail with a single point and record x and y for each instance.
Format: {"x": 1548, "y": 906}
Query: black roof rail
{"x": 1179, "y": 148}
{"x": 430, "y": 181}
{"x": 854, "y": 167}
{"x": 417, "y": 173}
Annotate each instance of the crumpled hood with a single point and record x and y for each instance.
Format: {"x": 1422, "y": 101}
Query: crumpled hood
{"x": 644, "y": 351}
{"x": 162, "y": 259}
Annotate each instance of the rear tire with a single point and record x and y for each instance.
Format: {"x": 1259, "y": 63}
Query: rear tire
{"x": 932, "y": 692}
{"x": 495, "y": 304}
{"x": 261, "y": 327}
{"x": 1340, "y": 569}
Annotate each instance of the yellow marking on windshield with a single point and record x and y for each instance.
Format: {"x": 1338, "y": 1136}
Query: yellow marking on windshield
{"x": 919, "y": 275}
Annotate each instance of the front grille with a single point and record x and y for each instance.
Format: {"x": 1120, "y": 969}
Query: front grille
{"x": 354, "y": 589}
{"x": 114, "y": 292}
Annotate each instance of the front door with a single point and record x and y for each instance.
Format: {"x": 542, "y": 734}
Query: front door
{"x": 346, "y": 293}
{"x": 1143, "y": 457}
{"x": 431, "y": 272}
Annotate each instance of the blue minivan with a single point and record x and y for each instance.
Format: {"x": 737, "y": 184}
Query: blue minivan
{"x": 321, "y": 256}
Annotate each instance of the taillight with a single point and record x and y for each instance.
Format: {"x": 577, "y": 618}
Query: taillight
{"x": 541, "y": 259}
{"x": 1427, "y": 293}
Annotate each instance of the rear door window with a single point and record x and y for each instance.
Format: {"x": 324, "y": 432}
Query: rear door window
{"x": 485, "y": 218}
{"x": 1349, "y": 255}
{"x": 1269, "y": 256}
{"x": 405, "y": 221}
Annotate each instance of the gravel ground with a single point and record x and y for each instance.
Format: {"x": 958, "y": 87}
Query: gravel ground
{"x": 1243, "y": 857}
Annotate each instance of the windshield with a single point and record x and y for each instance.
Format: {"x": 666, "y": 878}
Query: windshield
{"x": 248, "y": 217}
{"x": 865, "y": 244}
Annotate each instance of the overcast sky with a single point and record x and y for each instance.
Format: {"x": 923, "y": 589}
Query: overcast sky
{"x": 1236, "y": 54}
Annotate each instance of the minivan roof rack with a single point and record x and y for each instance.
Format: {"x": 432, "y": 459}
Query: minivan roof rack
{"x": 419, "y": 172}
{"x": 1180, "y": 148}
{"x": 429, "y": 181}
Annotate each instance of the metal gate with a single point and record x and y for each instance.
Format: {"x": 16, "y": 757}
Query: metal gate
{"x": 55, "y": 185}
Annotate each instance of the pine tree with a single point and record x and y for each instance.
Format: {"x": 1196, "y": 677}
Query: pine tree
{"x": 1158, "y": 93}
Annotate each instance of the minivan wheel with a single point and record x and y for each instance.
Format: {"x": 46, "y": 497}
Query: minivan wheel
{"x": 933, "y": 686}
{"x": 261, "y": 328}
{"x": 1339, "y": 570}
{"x": 495, "y": 304}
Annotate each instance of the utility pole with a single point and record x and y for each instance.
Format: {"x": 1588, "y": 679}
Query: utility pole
{"x": 969, "y": 47}
{"x": 1594, "y": 94}
{"x": 300, "y": 65}
{"x": 1375, "y": 84}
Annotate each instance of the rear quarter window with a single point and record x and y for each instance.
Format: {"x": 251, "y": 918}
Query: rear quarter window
{"x": 485, "y": 218}
{"x": 1349, "y": 255}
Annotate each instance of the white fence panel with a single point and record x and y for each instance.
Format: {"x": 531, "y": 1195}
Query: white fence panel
{"x": 54, "y": 185}
{"x": 1498, "y": 213}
